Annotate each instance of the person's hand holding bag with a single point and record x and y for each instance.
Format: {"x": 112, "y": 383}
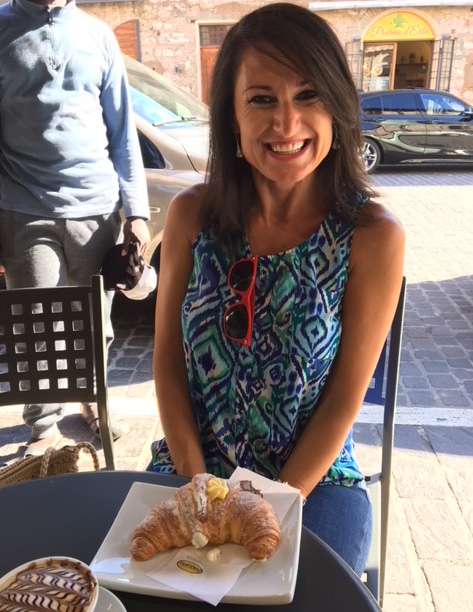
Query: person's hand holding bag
{"x": 129, "y": 274}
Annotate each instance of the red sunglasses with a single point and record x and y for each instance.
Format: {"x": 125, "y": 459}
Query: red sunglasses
{"x": 238, "y": 318}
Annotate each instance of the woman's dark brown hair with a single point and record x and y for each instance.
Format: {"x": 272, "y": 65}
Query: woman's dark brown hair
{"x": 306, "y": 43}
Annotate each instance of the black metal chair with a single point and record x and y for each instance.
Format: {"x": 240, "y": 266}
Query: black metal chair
{"x": 383, "y": 392}
{"x": 52, "y": 350}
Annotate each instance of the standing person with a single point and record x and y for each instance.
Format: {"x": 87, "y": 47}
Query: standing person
{"x": 69, "y": 159}
{"x": 279, "y": 280}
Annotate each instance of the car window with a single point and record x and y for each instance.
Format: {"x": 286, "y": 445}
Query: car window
{"x": 151, "y": 155}
{"x": 372, "y": 106}
{"x": 149, "y": 109}
{"x": 155, "y": 94}
{"x": 390, "y": 104}
{"x": 441, "y": 104}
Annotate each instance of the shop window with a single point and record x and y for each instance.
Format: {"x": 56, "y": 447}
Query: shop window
{"x": 213, "y": 35}
{"x": 377, "y": 66}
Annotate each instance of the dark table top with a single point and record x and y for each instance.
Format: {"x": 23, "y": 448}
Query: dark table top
{"x": 71, "y": 515}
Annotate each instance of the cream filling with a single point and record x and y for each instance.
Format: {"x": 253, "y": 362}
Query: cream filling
{"x": 199, "y": 540}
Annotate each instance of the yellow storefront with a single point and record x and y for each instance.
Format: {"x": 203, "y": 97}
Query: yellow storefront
{"x": 399, "y": 51}
{"x": 404, "y": 46}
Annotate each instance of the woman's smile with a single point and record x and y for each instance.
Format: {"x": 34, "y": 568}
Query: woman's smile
{"x": 287, "y": 148}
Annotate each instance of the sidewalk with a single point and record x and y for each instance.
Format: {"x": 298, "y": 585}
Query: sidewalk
{"x": 430, "y": 555}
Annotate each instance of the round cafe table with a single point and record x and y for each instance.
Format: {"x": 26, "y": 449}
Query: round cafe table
{"x": 71, "y": 515}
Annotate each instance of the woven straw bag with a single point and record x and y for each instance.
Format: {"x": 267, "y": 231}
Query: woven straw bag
{"x": 64, "y": 460}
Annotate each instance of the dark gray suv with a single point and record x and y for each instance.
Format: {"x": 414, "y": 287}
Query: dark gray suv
{"x": 406, "y": 126}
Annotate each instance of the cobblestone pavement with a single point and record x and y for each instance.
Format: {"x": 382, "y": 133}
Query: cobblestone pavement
{"x": 430, "y": 555}
{"x": 437, "y": 358}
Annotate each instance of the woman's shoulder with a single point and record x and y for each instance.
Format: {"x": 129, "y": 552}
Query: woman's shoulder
{"x": 380, "y": 233}
{"x": 184, "y": 210}
{"x": 188, "y": 199}
{"x": 379, "y": 218}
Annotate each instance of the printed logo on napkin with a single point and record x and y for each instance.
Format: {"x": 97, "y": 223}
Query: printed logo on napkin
{"x": 190, "y": 571}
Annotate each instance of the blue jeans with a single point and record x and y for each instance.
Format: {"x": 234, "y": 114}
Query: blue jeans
{"x": 342, "y": 517}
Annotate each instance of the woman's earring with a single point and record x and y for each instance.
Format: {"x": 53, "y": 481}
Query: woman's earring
{"x": 239, "y": 153}
{"x": 335, "y": 139}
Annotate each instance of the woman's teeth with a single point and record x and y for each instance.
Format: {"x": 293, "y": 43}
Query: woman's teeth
{"x": 294, "y": 147}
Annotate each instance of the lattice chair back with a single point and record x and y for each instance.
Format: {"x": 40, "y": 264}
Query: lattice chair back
{"x": 52, "y": 350}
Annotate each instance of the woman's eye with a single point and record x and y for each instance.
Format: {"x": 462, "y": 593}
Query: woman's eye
{"x": 261, "y": 100}
{"x": 307, "y": 94}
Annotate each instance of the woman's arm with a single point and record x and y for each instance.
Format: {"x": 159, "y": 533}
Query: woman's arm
{"x": 169, "y": 368}
{"x": 369, "y": 303}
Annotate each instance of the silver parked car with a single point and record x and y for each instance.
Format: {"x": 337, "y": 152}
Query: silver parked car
{"x": 173, "y": 130}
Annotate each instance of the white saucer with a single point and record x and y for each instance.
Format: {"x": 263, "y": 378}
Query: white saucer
{"x": 108, "y": 602}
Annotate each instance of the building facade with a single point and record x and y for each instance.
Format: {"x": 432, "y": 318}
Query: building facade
{"x": 389, "y": 44}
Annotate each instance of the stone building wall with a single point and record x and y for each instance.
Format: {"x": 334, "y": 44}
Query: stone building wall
{"x": 169, "y": 33}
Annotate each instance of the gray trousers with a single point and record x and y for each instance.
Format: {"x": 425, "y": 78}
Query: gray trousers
{"x": 38, "y": 252}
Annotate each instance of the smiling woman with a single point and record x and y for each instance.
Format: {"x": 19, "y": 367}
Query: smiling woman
{"x": 280, "y": 276}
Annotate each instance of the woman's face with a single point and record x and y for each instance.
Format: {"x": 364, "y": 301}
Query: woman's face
{"x": 285, "y": 131}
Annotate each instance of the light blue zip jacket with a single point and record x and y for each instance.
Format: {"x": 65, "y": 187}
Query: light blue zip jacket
{"x": 68, "y": 142}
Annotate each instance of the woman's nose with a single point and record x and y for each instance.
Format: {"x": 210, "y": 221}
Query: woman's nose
{"x": 286, "y": 119}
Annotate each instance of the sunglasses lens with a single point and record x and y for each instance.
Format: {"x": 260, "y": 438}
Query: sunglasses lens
{"x": 236, "y": 322}
{"x": 241, "y": 275}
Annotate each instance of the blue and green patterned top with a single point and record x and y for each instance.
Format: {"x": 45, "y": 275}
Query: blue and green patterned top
{"x": 252, "y": 403}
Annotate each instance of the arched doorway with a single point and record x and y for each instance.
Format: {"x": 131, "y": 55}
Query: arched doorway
{"x": 401, "y": 49}
{"x": 128, "y": 36}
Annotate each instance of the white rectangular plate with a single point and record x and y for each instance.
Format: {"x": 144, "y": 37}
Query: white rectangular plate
{"x": 265, "y": 583}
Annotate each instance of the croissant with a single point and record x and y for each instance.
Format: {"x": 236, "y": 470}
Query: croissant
{"x": 212, "y": 511}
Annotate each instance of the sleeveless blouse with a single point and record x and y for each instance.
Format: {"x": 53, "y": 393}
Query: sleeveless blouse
{"x": 252, "y": 403}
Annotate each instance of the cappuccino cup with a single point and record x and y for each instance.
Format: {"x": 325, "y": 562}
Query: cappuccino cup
{"x": 62, "y": 584}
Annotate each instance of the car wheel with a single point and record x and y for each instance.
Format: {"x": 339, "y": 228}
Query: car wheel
{"x": 371, "y": 155}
